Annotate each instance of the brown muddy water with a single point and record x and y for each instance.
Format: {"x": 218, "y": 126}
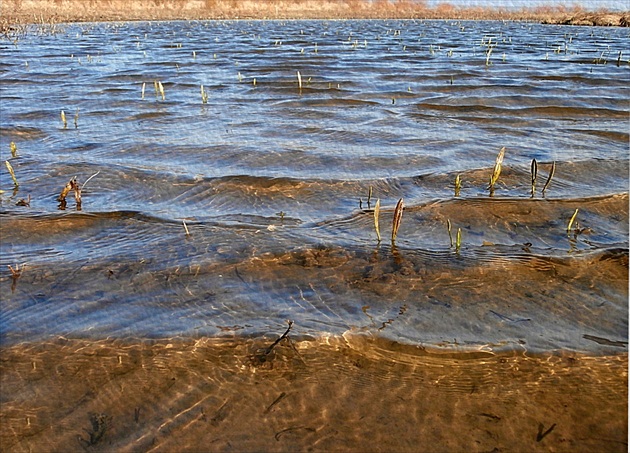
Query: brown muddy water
{"x": 122, "y": 332}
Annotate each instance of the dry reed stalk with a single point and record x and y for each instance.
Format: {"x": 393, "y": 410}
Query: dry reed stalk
{"x": 11, "y": 172}
{"x": 496, "y": 172}
{"x": 534, "y": 170}
{"x": 377, "y": 211}
{"x": 398, "y": 212}
{"x": 551, "y": 173}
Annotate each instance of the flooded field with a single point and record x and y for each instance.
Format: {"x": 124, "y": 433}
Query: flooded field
{"x": 229, "y": 176}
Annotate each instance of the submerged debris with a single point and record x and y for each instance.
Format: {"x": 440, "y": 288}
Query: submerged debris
{"x": 261, "y": 355}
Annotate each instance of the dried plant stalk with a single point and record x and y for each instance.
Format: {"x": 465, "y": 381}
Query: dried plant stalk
{"x": 497, "y": 169}
{"x": 398, "y": 212}
{"x": 11, "y": 172}
{"x": 377, "y": 211}
{"x": 534, "y": 170}
{"x": 449, "y": 228}
{"x": 570, "y": 225}
{"x": 551, "y": 173}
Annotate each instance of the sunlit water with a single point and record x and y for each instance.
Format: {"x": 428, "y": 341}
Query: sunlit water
{"x": 146, "y": 319}
{"x": 273, "y": 181}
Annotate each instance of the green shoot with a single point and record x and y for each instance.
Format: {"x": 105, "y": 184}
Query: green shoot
{"x": 377, "y": 210}
{"x": 398, "y": 212}
{"x": 13, "y": 149}
{"x": 570, "y": 225}
{"x": 11, "y": 172}
{"x": 458, "y": 241}
{"x": 449, "y": 228}
{"x": 458, "y": 185}
{"x": 534, "y": 170}
{"x": 553, "y": 170}
{"x": 497, "y": 170}
{"x": 254, "y": 81}
{"x": 63, "y": 119}
{"x": 204, "y": 95}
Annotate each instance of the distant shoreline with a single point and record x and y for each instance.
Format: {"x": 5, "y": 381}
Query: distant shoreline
{"x": 22, "y": 12}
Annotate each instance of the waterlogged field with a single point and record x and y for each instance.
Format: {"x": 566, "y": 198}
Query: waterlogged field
{"x": 230, "y": 176}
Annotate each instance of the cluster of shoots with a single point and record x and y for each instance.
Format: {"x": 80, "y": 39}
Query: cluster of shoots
{"x": 71, "y": 185}
{"x": 159, "y": 89}
{"x": 398, "y": 212}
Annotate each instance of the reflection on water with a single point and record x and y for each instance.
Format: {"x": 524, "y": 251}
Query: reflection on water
{"x": 207, "y": 225}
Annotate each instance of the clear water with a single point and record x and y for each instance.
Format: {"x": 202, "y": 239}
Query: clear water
{"x": 272, "y": 182}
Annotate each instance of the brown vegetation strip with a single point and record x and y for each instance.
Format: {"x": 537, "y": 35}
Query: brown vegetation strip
{"x": 15, "y": 12}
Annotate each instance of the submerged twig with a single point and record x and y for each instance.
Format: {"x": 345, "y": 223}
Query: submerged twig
{"x": 262, "y": 357}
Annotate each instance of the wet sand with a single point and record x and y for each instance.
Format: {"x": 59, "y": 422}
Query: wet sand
{"x": 347, "y": 393}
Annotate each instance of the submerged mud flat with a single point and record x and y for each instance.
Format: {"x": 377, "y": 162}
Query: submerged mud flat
{"x": 136, "y": 320}
{"x": 337, "y": 394}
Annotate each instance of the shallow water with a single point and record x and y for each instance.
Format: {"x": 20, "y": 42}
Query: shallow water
{"x": 272, "y": 182}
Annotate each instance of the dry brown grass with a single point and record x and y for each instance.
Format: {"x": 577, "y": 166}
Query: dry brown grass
{"x": 16, "y": 12}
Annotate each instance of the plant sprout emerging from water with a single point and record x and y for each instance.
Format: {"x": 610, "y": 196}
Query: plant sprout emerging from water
{"x": 76, "y": 119}
{"x": 377, "y": 211}
{"x": 161, "y": 87}
{"x": 534, "y": 170}
{"x": 144, "y": 85}
{"x": 398, "y": 212}
{"x": 186, "y": 228}
{"x": 570, "y": 225}
{"x": 369, "y": 200}
{"x": 449, "y": 227}
{"x": 204, "y": 95}
{"x": 496, "y": 172}
{"x": 458, "y": 185}
{"x": 553, "y": 170}
{"x": 11, "y": 172}
{"x": 299, "y": 78}
{"x": 63, "y": 119}
{"x": 458, "y": 240}
{"x": 13, "y": 147}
